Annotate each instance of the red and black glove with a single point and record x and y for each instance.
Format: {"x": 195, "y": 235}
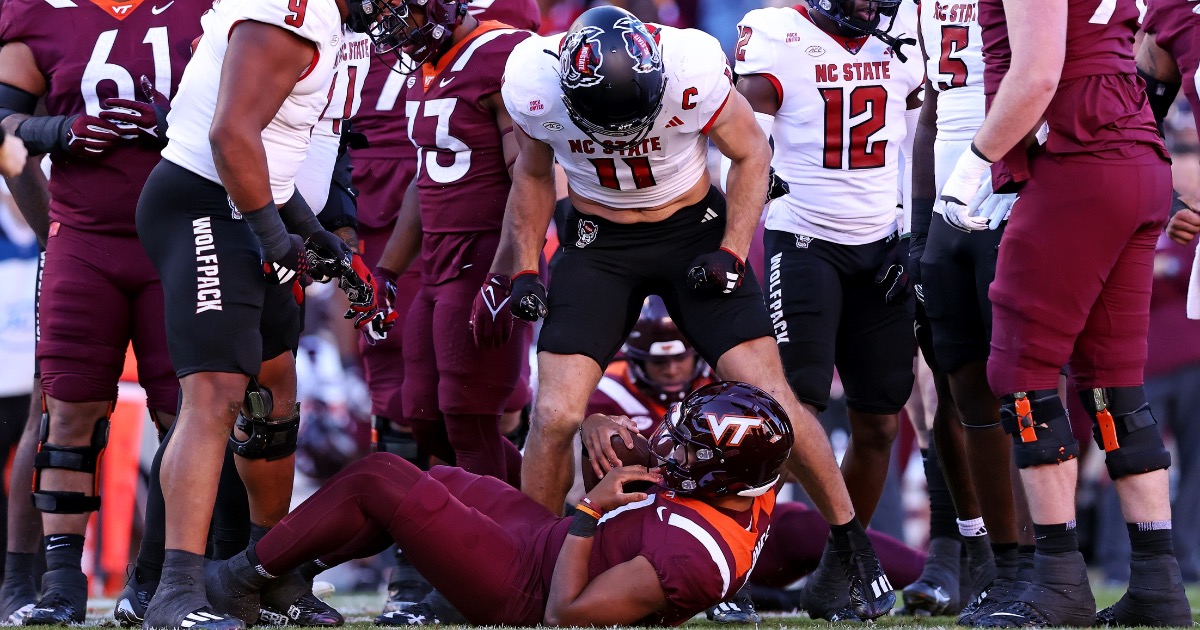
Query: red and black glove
{"x": 716, "y": 273}
{"x": 529, "y": 296}
{"x": 371, "y": 298}
{"x": 329, "y": 257}
{"x": 286, "y": 266}
{"x": 491, "y": 312}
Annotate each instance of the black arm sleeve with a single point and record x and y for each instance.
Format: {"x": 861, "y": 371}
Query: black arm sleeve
{"x": 1161, "y": 95}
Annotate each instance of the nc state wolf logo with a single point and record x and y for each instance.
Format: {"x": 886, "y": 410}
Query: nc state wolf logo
{"x": 645, "y": 54}
{"x": 581, "y": 58}
{"x": 587, "y": 233}
{"x": 740, "y": 425}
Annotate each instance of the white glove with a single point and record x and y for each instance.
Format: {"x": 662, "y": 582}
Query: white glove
{"x": 996, "y": 209}
{"x": 965, "y": 191}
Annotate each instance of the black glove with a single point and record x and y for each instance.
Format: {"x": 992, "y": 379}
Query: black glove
{"x": 892, "y": 275}
{"x": 716, "y": 273}
{"x": 286, "y": 267}
{"x": 922, "y": 216}
{"x": 328, "y": 256}
{"x": 528, "y": 296}
{"x": 776, "y": 187}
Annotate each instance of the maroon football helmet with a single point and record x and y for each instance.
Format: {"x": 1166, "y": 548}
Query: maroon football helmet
{"x": 655, "y": 337}
{"x": 391, "y": 27}
{"x": 724, "y": 438}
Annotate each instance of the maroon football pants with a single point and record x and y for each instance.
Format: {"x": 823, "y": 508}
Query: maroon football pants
{"x": 1074, "y": 272}
{"x": 483, "y": 544}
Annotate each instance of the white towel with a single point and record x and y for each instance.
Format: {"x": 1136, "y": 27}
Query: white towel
{"x": 1193, "y": 296}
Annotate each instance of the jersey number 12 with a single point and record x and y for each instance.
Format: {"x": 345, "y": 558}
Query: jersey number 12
{"x": 868, "y": 102}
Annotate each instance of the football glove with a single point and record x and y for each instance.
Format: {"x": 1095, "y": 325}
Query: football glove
{"x": 716, "y": 273}
{"x": 892, "y": 275}
{"x": 968, "y": 186}
{"x": 140, "y": 118}
{"x": 491, "y": 312}
{"x": 776, "y": 187}
{"x": 529, "y": 296}
{"x": 88, "y": 136}
{"x": 284, "y": 268}
{"x": 329, "y": 257}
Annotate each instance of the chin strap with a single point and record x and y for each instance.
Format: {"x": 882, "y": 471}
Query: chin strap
{"x": 895, "y": 42}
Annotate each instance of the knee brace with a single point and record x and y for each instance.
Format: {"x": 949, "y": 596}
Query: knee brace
{"x": 267, "y": 438}
{"x": 84, "y": 459}
{"x": 387, "y": 439}
{"x": 1041, "y": 431}
{"x": 1126, "y": 429}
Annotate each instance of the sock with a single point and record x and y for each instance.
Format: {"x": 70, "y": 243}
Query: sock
{"x": 972, "y": 528}
{"x": 1025, "y": 562}
{"x": 311, "y": 569}
{"x": 1056, "y": 538}
{"x": 63, "y": 551}
{"x": 941, "y": 502}
{"x": 1008, "y": 560}
{"x": 1151, "y": 538}
{"x": 257, "y": 532}
{"x": 848, "y": 536}
{"x": 18, "y": 566}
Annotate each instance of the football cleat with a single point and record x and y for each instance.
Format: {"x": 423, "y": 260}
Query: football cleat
{"x": 406, "y": 587}
{"x": 419, "y": 614}
{"x": 308, "y": 611}
{"x": 871, "y": 594}
{"x": 1155, "y": 596}
{"x": 17, "y": 599}
{"x": 131, "y": 605}
{"x": 923, "y": 598}
{"x": 227, "y": 594}
{"x": 736, "y": 609}
{"x": 825, "y": 592}
{"x": 64, "y": 599}
{"x": 1059, "y": 596}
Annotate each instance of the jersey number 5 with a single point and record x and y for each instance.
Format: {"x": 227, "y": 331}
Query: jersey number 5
{"x": 954, "y": 40}
{"x": 868, "y": 102}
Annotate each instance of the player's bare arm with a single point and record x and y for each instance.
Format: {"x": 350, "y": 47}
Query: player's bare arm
{"x": 31, "y": 192}
{"x": 760, "y": 93}
{"x": 511, "y": 148}
{"x": 530, "y": 206}
{"x": 262, "y": 65}
{"x": 924, "y": 183}
{"x": 18, "y": 69}
{"x": 738, "y": 136}
{"x": 1037, "y": 30}
{"x": 1152, "y": 60}
{"x": 622, "y": 595}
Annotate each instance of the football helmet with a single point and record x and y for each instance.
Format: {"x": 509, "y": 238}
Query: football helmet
{"x": 655, "y": 337}
{"x": 612, "y": 76}
{"x": 392, "y": 28}
{"x": 724, "y": 438}
{"x": 856, "y": 18}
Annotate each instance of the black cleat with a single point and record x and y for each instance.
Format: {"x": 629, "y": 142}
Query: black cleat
{"x": 130, "y": 609}
{"x": 736, "y": 609}
{"x": 1155, "y": 597}
{"x": 179, "y": 602}
{"x": 418, "y": 614}
{"x": 307, "y": 611}
{"x": 871, "y": 594}
{"x": 923, "y": 598}
{"x": 406, "y": 587}
{"x": 229, "y": 594}
{"x": 17, "y": 598}
{"x": 1060, "y": 595}
{"x": 825, "y": 593}
{"x": 63, "y": 602}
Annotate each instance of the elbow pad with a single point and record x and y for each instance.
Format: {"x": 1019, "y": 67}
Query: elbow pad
{"x": 1161, "y": 95}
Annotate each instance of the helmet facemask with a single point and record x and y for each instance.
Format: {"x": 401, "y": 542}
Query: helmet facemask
{"x": 879, "y": 18}
{"x": 394, "y": 30}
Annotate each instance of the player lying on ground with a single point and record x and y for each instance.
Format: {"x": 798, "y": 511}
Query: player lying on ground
{"x": 684, "y": 539}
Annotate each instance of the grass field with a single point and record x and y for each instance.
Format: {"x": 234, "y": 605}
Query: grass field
{"x": 359, "y": 609}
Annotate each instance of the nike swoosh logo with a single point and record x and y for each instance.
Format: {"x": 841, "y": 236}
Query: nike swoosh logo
{"x": 442, "y": 83}
{"x": 1004, "y": 614}
{"x": 157, "y": 10}
{"x": 661, "y": 509}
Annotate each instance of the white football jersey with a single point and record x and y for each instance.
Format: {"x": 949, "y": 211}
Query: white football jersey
{"x": 345, "y": 92}
{"x": 668, "y": 162}
{"x": 840, "y": 124}
{"x": 286, "y": 137}
{"x": 954, "y": 47}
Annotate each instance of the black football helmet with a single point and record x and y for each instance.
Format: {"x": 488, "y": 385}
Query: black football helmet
{"x": 854, "y": 20}
{"x": 655, "y": 336}
{"x": 724, "y": 438}
{"x": 391, "y": 27}
{"x": 612, "y": 76}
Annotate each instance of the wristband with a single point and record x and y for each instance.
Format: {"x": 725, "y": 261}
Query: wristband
{"x": 272, "y": 234}
{"x": 583, "y": 525}
{"x": 298, "y": 217}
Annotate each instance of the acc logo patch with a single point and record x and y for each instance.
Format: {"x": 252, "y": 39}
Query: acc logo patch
{"x": 814, "y": 51}
{"x": 552, "y": 125}
{"x": 587, "y": 233}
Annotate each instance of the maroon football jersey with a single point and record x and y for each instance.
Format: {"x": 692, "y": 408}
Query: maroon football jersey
{"x": 701, "y": 554}
{"x": 1100, "y": 109}
{"x": 1176, "y": 29}
{"x": 383, "y": 170}
{"x": 89, "y": 51}
{"x": 462, "y": 177}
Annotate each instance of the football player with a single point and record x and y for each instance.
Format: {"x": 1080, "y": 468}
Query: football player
{"x": 105, "y": 82}
{"x": 222, "y": 222}
{"x": 458, "y": 122}
{"x": 954, "y": 268}
{"x": 628, "y": 110}
{"x": 656, "y": 554}
{"x": 1084, "y": 299}
{"x": 838, "y": 292}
